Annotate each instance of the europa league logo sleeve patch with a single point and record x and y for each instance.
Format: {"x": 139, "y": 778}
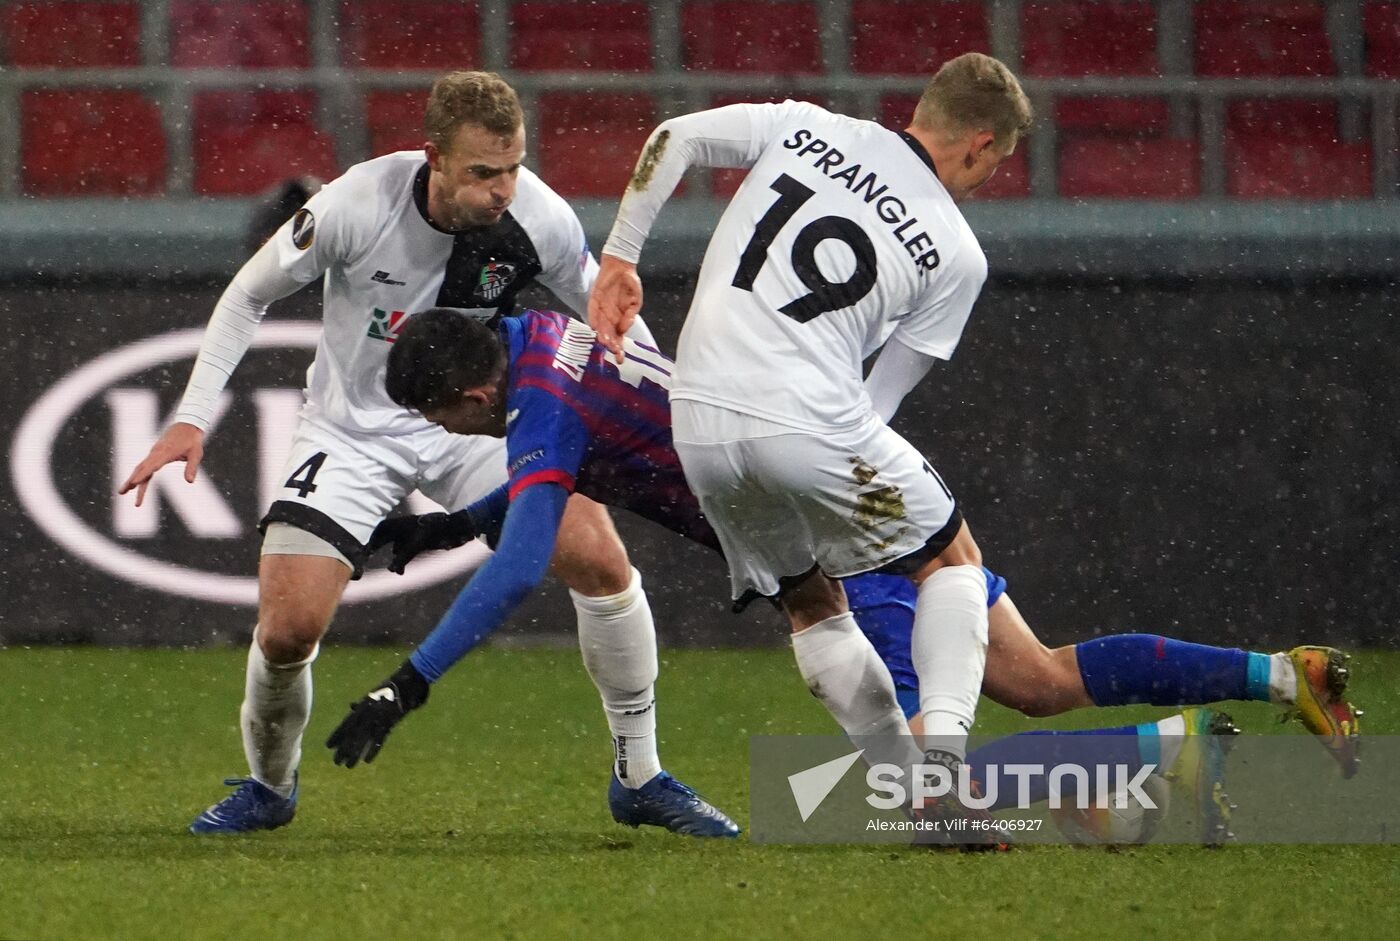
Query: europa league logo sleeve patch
{"x": 303, "y": 229}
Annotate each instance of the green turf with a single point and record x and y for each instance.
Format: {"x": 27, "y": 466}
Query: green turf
{"x": 485, "y": 817}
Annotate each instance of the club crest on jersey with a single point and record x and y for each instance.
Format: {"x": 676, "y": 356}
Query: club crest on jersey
{"x": 386, "y": 324}
{"x": 495, "y": 277}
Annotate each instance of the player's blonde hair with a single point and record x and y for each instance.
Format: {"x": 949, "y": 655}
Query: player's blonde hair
{"x": 974, "y": 92}
{"x": 480, "y": 98}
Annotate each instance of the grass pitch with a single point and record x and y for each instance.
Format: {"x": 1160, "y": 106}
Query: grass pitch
{"x": 485, "y": 817}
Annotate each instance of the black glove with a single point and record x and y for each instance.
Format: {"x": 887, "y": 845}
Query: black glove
{"x": 361, "y": 734}
{"x": 411, "y": 535}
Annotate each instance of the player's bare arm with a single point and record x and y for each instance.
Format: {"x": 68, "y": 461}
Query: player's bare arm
{"x": 181, "y": 442}
{"x": 615, "y": 302}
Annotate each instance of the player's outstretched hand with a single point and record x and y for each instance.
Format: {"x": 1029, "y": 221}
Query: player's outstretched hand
{"x": 361, "y": 734}
{"x": 410, "y": 535}
{"x": 615, "y": 302}
{"x": 181, "y": 442}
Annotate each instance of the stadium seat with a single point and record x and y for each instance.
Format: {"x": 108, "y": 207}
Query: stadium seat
{"x": 89, "y": 142}
{"x": 1283, "y": 168}
{"x": 752, "y": 36}
{"x": 1261, "y": 38}
{"x": 245, "y": 142}
{"x": 1116, "y": 37}
{"x": 1115, "y": 167}
{"x": 1136, "y": 116}
{"x": 409, "y": 34}
{"x": 565, "y": 35}
{"x": 72, "y": 35}
{"x": 1382, "y": 29}
{"x": 1012, "y": 179}
{"x": 395, "y": 120}
{"x": 588, "y": 144}
{"x": 254, "y": 34}
{"x": 914, "y": 37}
{"x": 1292, "y": 149}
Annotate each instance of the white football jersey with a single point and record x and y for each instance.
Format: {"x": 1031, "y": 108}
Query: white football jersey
{"x": 369, "y": 233}
{"x": 840, "y": 236}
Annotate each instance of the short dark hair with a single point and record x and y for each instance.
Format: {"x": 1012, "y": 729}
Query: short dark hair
{"x": 440, "y": 354}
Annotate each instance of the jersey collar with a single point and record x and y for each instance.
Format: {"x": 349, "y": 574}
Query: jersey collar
{"x": 919, "y": 151}
{"x": 420, "y": 199}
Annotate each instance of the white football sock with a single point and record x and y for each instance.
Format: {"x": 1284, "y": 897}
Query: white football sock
{"x": 1171, "y": 734}
{"x": 949, "y": 650}
{"x": 618, "y": 641}
{"x": 1283, "y": 680}
{"x": 843, "y": 670}
{"x": 276, "y": 708}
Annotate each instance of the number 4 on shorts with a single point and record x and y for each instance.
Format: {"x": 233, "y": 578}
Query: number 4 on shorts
{"x": 303, "y": 479}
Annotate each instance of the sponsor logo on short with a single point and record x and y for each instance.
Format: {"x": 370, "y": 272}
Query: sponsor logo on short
{"x": 303, "y": 229}
{"x": 383, "y": 694}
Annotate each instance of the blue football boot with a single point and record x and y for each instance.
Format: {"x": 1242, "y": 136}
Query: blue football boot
{"x": 665, "y": 802}
{"x": 252, "y": 806}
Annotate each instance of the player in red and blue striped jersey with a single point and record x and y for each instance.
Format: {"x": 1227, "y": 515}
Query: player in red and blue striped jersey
{"x": 576, "y": 420}
{"x": 571, "y": 424}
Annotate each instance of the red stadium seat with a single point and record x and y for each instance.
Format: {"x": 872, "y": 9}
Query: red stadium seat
{"x": 1292, "y": 149}
{"x": 589, "y": 143}
{"x": 548, "y": 34}
{"x": 86, "y": 142}
{"x": 1011, "y": 181}
{"x": 914, "y": 37}
{"x": 1265, "y": 38}
{"x": 72, "y": 35}
{"x": 1283, "y": 168}
{"x": 410, "y": 34}
{"x": 254, "y": 34}
{"x": 245, "y": 142}
{"x": 1117, "y": 167}
{"x": 1382, "y": 26}
{"x": 1294, "y": 119}
{"x": 1117, "y": 37}
{"x": 752, "y": 36}
{"x": 395, "y": 120}
{"x": 1124, "y": 115}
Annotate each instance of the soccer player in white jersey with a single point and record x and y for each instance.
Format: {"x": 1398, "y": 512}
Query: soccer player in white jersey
{"x": 844, "y": 237}
{"x": 460, "y": 224}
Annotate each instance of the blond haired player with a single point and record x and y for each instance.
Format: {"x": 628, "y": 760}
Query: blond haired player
{"x": 460, "y": 224}
{"x": 844, "y": 237}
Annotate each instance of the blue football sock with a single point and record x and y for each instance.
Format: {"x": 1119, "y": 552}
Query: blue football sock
{"x": 1131, "y": 746}
{"x": 1143, "y": 668}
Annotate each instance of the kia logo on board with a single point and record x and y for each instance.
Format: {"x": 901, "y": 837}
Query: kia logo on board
{"x": 201, "y": 510}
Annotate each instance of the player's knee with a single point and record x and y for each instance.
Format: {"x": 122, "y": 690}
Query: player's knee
{"x": 289, "y": 635}
{"x": 589, "y": 556}
{"x": 1058, "y": 687}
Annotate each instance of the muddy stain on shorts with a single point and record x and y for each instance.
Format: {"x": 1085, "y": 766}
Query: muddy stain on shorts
{"x": 875, "y": 507}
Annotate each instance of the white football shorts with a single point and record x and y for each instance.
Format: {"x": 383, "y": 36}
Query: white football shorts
{"x": 339, "y": 485}
{"x": 782, "y": 500}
